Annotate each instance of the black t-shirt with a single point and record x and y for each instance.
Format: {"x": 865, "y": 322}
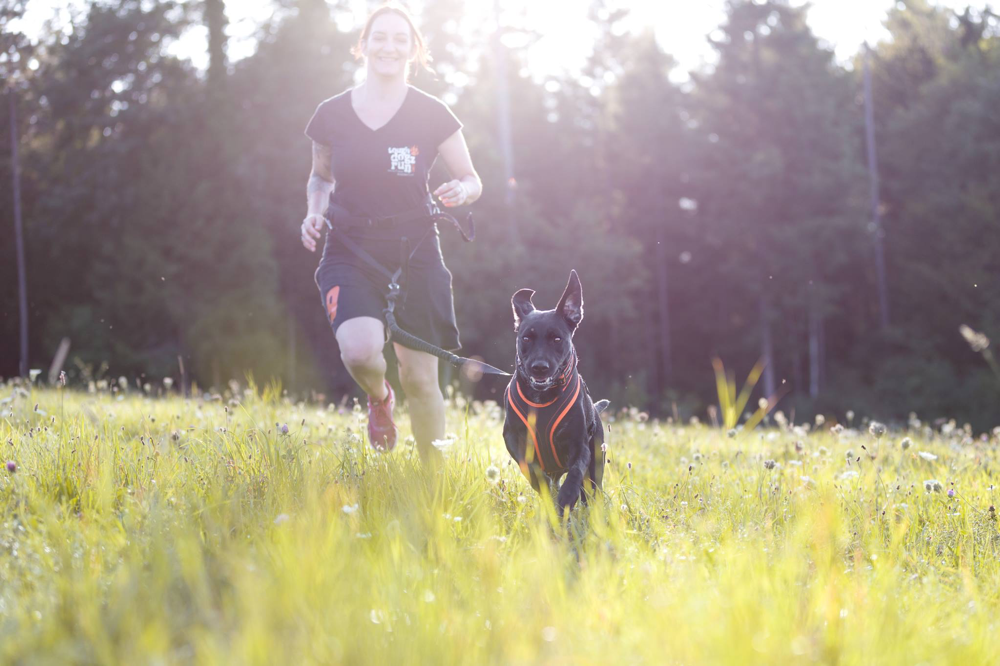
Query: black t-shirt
{"x": 382, "y": 172}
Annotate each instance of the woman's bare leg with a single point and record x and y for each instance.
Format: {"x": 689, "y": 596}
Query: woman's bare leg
{"x": 418, "y": 374}
{"x": 361, "y": 340}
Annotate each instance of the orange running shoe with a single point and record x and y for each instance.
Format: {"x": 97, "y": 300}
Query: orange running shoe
{"x": 381, "y": 428}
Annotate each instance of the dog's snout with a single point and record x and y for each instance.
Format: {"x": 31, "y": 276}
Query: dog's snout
{"x": 540, "y": 368}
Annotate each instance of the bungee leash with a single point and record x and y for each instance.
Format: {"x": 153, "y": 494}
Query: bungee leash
{"x": 433, "y": 214}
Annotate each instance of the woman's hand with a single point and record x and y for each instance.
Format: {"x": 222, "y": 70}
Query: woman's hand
{"x": 453, "y": 193}
{"x": 310, "y": 231}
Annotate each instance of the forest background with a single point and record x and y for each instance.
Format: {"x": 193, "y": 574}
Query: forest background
{"x": 726, "y": 214}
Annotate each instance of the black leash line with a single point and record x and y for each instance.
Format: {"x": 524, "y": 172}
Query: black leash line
{"x": 396, "y": 292}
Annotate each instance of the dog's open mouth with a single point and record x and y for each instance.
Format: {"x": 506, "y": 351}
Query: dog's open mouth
{"x": 541, "y": 384}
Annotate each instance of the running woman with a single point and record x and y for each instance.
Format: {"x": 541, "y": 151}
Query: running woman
{"x": 372, "y": 152}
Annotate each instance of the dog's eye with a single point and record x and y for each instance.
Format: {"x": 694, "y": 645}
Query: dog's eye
{"x": 557, "y": 339}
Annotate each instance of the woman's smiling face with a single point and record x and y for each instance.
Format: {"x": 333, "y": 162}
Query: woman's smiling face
{"x": 389, "y": 46}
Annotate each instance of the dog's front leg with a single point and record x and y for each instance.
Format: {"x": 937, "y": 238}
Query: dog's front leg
{"x": 516, "y": 441}
{"x": 572, "y": 487}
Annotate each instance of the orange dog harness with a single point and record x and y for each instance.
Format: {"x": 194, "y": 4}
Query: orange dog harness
{"x": 542, "y": 419}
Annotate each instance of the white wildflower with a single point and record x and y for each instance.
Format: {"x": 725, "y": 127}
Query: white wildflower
{"x": 442, "y": 444}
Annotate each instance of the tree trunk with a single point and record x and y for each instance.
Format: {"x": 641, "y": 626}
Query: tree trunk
{"x": 504, "y": 129}
{"x": 215, "y": 21}
{"x": 22, "y": 277}
{"x": 883, "y": 292}
{"x": 798, "y": 377}
{"x": 662, "y": 284}
{"x": 815, "y": 332}
{"x": 766, "y": 351}
{"x": 292, "y": 361}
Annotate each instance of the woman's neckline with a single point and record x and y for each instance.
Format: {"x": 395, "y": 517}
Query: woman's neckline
{"x": 350, "y": 99}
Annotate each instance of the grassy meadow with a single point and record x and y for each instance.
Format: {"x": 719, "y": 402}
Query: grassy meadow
{"x": 248, "y": 529}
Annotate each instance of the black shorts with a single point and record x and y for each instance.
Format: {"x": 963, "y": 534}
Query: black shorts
{"x": 349, "y": 287}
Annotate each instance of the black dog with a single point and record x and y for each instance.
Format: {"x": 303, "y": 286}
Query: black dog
{"x": 552, "y": 426}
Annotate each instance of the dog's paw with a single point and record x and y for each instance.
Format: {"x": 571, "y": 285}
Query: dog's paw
{"x": 568, "y": 496}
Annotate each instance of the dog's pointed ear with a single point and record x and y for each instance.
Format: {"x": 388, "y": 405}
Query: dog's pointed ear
{"x": 521, "y": 302}
{"x": 571, "y": 303}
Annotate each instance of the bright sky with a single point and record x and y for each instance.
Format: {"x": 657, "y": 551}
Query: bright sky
{"x": 681, "y": 26}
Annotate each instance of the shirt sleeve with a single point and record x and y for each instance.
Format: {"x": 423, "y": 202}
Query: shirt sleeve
{"x": 443, "y": 123}
{"x": 320, "y": 127}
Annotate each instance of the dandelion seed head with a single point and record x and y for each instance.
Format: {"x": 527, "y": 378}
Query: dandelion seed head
{"x": 731, "y": 433}
{"x": 770, "y": 464}
{"x": 876, "y": 429}
{"x": 906, "y": 443}
{"x": 493, "y": 475}
{"x": 978, "y": 342}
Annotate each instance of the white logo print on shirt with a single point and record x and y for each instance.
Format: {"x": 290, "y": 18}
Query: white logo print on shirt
{"x": 403, "y": 160}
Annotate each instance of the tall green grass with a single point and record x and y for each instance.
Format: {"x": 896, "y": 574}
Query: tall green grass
{"x": 142, "y": 530}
